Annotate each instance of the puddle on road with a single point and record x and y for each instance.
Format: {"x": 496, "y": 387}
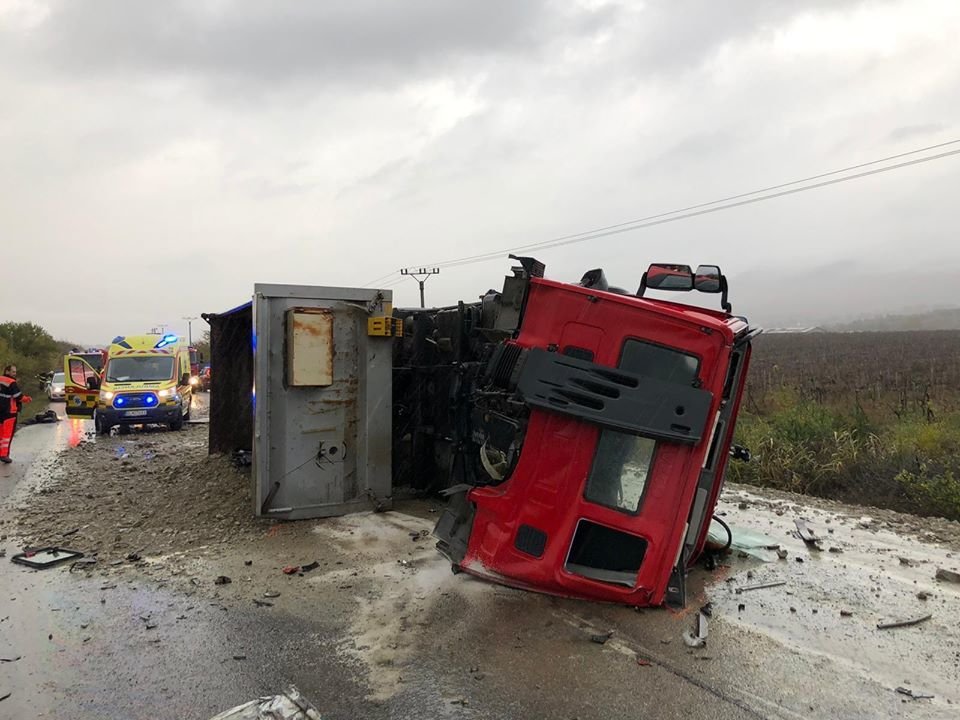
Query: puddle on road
{"x": 866, "y": 578}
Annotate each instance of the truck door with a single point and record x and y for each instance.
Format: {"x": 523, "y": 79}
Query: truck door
{"x": 81, "y": 386}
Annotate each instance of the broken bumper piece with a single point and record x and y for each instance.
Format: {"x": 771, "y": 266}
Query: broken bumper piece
{"x": 289, "y": 705}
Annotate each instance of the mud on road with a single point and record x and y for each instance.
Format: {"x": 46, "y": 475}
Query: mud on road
{"x": 381, "y": 628}
{"x": 150, "y": 492}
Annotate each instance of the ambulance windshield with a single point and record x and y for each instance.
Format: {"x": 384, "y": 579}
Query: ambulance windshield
{"x": 140, "y": 369}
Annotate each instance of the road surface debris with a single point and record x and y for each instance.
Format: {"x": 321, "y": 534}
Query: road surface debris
{"x": 903, "y": 623}
{"x": 760, "y": 586}
{"x": 948, "y": 575}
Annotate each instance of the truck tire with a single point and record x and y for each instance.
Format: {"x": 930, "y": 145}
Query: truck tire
{"x": 177, "y": 424}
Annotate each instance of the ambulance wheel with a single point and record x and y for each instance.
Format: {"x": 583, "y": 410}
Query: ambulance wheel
{"x": 100, "y": 425}
{"x": 177, "y": 424}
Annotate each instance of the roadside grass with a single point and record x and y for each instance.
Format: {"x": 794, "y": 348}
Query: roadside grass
{"x": 888, "y": 437}
{"x": 911, "y": 464}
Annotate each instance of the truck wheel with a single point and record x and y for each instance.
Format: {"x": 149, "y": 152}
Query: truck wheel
{"x": 177, "y": 424}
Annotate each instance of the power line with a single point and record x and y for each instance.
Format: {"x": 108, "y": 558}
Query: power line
{"x": 663, "y": 219}
{"x": 381, "y": 279}
{"x": 694, "y": 210}
{"x": 548, "y": 243}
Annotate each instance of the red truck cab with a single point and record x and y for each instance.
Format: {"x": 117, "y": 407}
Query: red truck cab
{"x": 604, "y": 486}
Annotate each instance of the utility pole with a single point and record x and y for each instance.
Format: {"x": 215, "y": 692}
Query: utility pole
{"x": 189, "y": 329}
{"x": 420, "y": 275}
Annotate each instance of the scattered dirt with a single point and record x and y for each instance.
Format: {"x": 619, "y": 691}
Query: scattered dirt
{"x": 150, "y": 493}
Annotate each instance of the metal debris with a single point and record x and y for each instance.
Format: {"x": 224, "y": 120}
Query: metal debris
{"x": 806, "y": 534}
{"x": 761, "y": 586}
{"x": 43, "y": 558}
{"x": 697, "y": 638}
{"x": 948, "y": 575}
{"x": 289, "y": 705}
{"x": 914, "y": 694}
{"x": 601, "y": 638}
{"x": 903, "y": 623}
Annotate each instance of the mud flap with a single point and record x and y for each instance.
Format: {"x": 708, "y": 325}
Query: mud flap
{"x": 676, "y": 596}
{"x": 455, "y": 524}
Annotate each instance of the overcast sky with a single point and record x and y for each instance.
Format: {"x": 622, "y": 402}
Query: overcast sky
{"x": 159, "y": 158}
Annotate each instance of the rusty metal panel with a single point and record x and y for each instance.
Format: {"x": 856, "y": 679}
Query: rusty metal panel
{"x": 309, "y": 347}
{"x": 320, "y": 449}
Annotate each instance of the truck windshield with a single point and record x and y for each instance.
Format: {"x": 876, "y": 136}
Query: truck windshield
{"x": 139, "y": 369}
{"x": 622, "y": 462}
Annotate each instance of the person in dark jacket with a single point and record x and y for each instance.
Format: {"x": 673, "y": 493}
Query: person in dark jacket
{"x": 12, "y": 401}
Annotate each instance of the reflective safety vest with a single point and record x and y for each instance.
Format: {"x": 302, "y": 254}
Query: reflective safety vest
{"x": 9, "y": 397}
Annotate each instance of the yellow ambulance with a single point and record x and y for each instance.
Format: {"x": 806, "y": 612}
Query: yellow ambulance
{"x": 146, "y": 379}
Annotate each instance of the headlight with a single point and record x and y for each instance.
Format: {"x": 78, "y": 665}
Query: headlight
{"x": 194, "y": 380}
{"x": 105, "y": 395}
{"x": 166, "y": 392}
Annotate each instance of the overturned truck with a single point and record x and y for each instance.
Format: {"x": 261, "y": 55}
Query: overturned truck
{"x": 580, "y": 432}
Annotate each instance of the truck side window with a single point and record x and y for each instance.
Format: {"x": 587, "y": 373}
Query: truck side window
{"x": 622, "y": 461}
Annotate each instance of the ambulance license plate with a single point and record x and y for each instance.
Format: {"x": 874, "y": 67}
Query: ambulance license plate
{"x": 135, "y": 413}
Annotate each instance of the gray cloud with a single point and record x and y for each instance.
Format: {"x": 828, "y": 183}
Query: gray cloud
{"x": 288, "y": 40}
{"x": 911, "y": 132}
{"x": 213, "y": 143}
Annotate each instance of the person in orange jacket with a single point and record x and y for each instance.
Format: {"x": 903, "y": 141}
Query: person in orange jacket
{"x": 12, "y": 400}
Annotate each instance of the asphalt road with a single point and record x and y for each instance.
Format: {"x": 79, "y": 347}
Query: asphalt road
{"x": 368, "y": 636}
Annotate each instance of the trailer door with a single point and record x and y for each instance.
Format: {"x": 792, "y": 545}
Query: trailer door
{"x": 322, "y": 397}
